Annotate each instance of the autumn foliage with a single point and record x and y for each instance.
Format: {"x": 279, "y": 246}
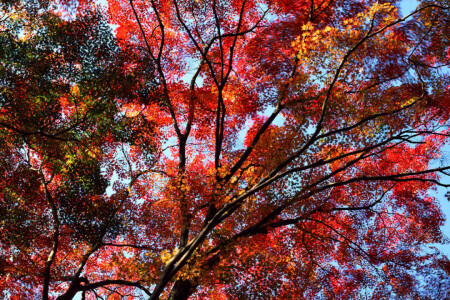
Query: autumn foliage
{"x": 223, "y": 149}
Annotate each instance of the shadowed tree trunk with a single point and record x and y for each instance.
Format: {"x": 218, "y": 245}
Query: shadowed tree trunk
{"x": 182, "y": 290}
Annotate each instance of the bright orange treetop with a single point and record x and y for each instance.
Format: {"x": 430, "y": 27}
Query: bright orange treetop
{"x": 223, "y": 149}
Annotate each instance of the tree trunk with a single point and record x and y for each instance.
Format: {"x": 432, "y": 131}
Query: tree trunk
{"x": 182, "y": 290}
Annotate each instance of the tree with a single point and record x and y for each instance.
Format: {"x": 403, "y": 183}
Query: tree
{"x": 227, "y": 149}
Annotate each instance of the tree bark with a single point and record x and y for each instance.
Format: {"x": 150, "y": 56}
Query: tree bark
{"x": 182, "y": 290}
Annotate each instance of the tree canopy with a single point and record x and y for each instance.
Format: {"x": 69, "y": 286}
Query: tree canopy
{"x": 224, "y": 149}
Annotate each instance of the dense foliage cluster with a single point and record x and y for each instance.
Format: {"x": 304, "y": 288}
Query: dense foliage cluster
{"x": 224, "y": 149}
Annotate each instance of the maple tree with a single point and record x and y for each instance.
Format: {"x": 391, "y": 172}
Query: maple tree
{"x": 243, "y": 149}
